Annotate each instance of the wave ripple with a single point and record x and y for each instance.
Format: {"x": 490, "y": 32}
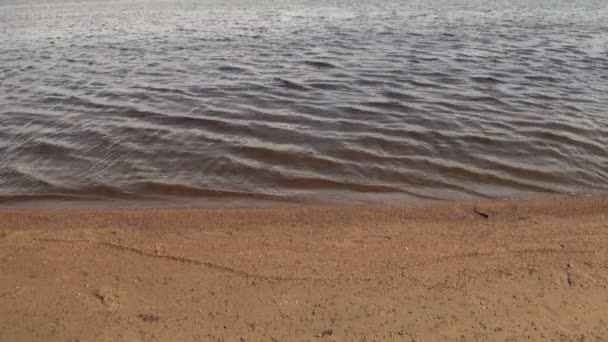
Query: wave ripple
{"x": 302, "y": 100}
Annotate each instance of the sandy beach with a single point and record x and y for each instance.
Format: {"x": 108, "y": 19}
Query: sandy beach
{"x": 503, "y": 271}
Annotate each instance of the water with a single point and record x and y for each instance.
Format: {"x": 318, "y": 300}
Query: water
{"x": 299, "y": 100}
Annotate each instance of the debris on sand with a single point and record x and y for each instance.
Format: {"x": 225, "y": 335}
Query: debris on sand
{"x": 569, "y": 274}
{"x": 570, "y": 280}
{"x": 480, "y": 213}
{"x": 148, "y": 318}
{"x": 107, "y": 297}
{"x": 327, "y": 332}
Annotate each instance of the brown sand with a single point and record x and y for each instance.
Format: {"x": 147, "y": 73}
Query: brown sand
{"x": 531, "y": 270}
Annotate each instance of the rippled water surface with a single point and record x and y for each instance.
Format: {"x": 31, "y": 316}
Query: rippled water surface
{"x": 299, "y": 100}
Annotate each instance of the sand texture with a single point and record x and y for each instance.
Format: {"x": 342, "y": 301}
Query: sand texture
{"x": 528, "y": 271}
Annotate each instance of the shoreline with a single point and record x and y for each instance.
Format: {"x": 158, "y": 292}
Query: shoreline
{"x": 61, "y": 202}
{"x": 440, "y": 271}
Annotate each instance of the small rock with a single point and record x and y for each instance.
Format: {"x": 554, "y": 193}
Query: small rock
{"x": 149, "y": 317}
{"x": 570, "y": 280}
{"x": 106, "y": 296}
{"x": 327, "y": 332}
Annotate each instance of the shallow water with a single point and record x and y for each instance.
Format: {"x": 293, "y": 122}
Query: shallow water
{"x": 292, "y": 100}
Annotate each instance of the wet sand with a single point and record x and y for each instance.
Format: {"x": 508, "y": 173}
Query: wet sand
{"x": 529, "y": 271}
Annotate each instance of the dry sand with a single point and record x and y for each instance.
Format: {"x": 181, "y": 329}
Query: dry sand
{"x": 530, "y": 271}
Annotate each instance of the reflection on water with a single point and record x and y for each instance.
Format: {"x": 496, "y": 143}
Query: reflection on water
{"x": 302, "y": 100}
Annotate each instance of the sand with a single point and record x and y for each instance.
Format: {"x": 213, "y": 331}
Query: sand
{"x": 531, "y": 270}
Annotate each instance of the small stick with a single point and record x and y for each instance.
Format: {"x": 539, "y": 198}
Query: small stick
{"x": 484, "y": 215}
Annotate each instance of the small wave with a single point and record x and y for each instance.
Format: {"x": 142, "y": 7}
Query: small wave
{"x": 329, "y": 85}
{"x": 289, "y": 84}
{"x": 168, "y": 189}
{"x": 320, "y": 64}
{"x": 422, "y": 84}
{"x": 55, "y": 192}
{"x": 310, "y": 183}
{"x": 48, "y": 148}
{"x": 25, "y": 197}
{"x": 400, "y": 96}
{"x": 136, "y": 191}
{"x": 233, "y": 69}
{"x": 486, "y": 80}
{"x": 542, "y": 78}
{"x": 565, "y": 140}
{"x": 452, "y": 169}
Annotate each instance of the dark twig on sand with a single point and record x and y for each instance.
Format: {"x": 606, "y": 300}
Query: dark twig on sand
{"x": 480, "y": 213}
